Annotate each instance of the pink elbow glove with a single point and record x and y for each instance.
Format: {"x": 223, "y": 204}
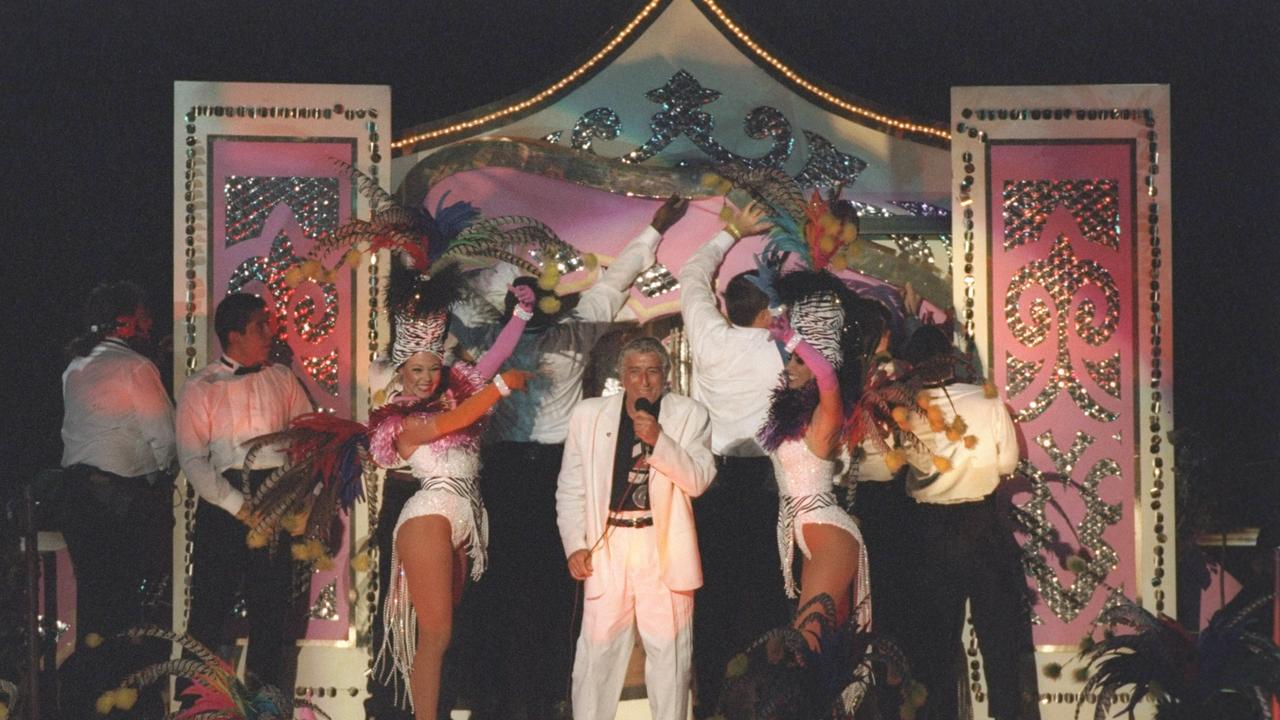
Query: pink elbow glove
{"x": 823, "y": 372}
{"x": 505, "y": 343}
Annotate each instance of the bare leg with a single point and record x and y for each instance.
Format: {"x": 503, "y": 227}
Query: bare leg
{"x": 425, "y": 547}
{"x": 830, "y": 570}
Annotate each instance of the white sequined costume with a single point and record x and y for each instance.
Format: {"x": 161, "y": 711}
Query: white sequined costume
{"x": 447, "y": 469}
{"x": 805, "y": 497}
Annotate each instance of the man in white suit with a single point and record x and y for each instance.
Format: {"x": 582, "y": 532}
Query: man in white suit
{"x": 631, "y": 464}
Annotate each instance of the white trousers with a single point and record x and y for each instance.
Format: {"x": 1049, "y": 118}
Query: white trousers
{"x": 636, "y": 597}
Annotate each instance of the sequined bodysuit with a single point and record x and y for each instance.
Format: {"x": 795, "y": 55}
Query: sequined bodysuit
{"x": 806, "y": 497}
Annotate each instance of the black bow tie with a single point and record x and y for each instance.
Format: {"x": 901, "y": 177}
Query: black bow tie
{"x": 248, "y": 369}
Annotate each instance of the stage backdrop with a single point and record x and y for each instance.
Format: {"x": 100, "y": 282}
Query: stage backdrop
{"x": 1062, "y": 227}
{"x": 255, "y": 185}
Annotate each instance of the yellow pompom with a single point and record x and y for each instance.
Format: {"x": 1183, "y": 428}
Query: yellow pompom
{"x": 827, "y": 244}
{"x": 838, "y": 263}
{"x": 299, "y": 551}
{"x": 312, "y": 268}
{"x": 895, "y": 459}
{"x": 379, "y": 398}
{"x": 106, "y": 702}
{"x": 901, "y": 416}
{"x": 294, "y": 523}
{"x": 924, "y": 399}
{"x": 315, "y": 548}
{"x": 549, "y": 278}
{"x": 953, "y": 435}
{"x": 352, "y": 258}
{"x": 92, "y": 640}
{"x": 829, "y": 224}
{"x": 989, "y": 390}
{"x": 126, "y": 697}
{"x": 361, "y": 562}
{"x": 941, "y": 463}
{"x": 590, "y": 261}
{"x": 324, "y": 562}
{"x": 847, "y": 233}
{"x": 549, "y": 305}
{"x": 256, "y": 540}
{"x": 970, "y": 441}
{"x": 293, "y": 277}
{"x": 959, "y": 425}
{"x": 329, "y": 276}
{"x": 4, "y": 711}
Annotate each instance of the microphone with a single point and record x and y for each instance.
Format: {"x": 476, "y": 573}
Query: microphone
{"x": 646, "y": 405}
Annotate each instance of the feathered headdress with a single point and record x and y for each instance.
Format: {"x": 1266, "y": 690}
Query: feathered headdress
{"x": 821, "y": 232}
{"x": 326, "y": 461}
{"x": 214, "y": 692}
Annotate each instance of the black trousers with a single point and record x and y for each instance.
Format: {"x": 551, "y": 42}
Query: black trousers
{"x": 967, "y": 551}
{"x": 742, "y": 594}
{"x": 514, "y": 629}
{"x": 396, "y": 491}
{"x": 223, "y": 567}
{"x": 885, "y": 513}
{"x": 119, "y": 534}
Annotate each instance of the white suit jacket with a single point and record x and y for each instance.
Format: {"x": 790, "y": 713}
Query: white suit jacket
{"x": 681, "y": 467}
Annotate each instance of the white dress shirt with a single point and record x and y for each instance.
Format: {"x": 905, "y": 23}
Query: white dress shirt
{"x": 975, "y": 472}
{"x": 118, "y": 416}
{"x": 558, "y": 354}
{"x": 734, "y": 368}
{"x": 219, "y": 411}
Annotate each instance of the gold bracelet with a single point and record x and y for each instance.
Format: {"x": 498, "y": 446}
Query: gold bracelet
{"x": 733, "y": 231}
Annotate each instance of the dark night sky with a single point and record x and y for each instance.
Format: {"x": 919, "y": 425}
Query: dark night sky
{"x": 87, "y": 90}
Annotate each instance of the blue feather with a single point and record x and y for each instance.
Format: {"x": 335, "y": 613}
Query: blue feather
{"x": 455, "y": 218}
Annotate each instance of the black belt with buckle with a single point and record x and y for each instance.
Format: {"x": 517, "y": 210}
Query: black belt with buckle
{"x": 626, "y": 522}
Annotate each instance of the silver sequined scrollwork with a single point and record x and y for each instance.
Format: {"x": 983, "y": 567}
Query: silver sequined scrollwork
{"x": 682, "y": 99}
{"x": 250, "y": 200}
{"x": 1062, "y": 274}
{"x": 827, "y": 166}
{"x": 1097, "y": 556}
{"x": 1095, "y": 205}
{"x": 599, "y": 123}
{"x": 270, "y": 271}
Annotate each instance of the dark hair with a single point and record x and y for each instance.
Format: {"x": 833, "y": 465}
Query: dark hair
{"x": 743, "y": 301}
{"x": 872, "y": 319}
{"x": 102, "y": 312}
{"x": 233, "y": 315}
{"x": 927, "y": 343}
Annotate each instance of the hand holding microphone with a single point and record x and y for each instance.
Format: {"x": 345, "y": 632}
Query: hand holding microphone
{"x": 645, "y": 422}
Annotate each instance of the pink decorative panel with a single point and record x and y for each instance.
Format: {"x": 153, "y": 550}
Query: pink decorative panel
{"x": 1062, "y": 284}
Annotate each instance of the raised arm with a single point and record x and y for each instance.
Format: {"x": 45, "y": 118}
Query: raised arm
{"x": 498, "y": 353}
{"x": 828, "y": 417}
{"x": 603, "y": 301}
{"x": 417, "y": 430}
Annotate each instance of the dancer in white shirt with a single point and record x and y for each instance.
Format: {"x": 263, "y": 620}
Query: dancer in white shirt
{"x": 229, "y": 402}
{"x": 735, "y": 365}
{"x": 118, "y": 451}
{"x": 965, "y": 548}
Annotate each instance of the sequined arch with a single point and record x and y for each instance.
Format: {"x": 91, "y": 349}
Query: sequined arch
{"x": 540, "y": 157}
